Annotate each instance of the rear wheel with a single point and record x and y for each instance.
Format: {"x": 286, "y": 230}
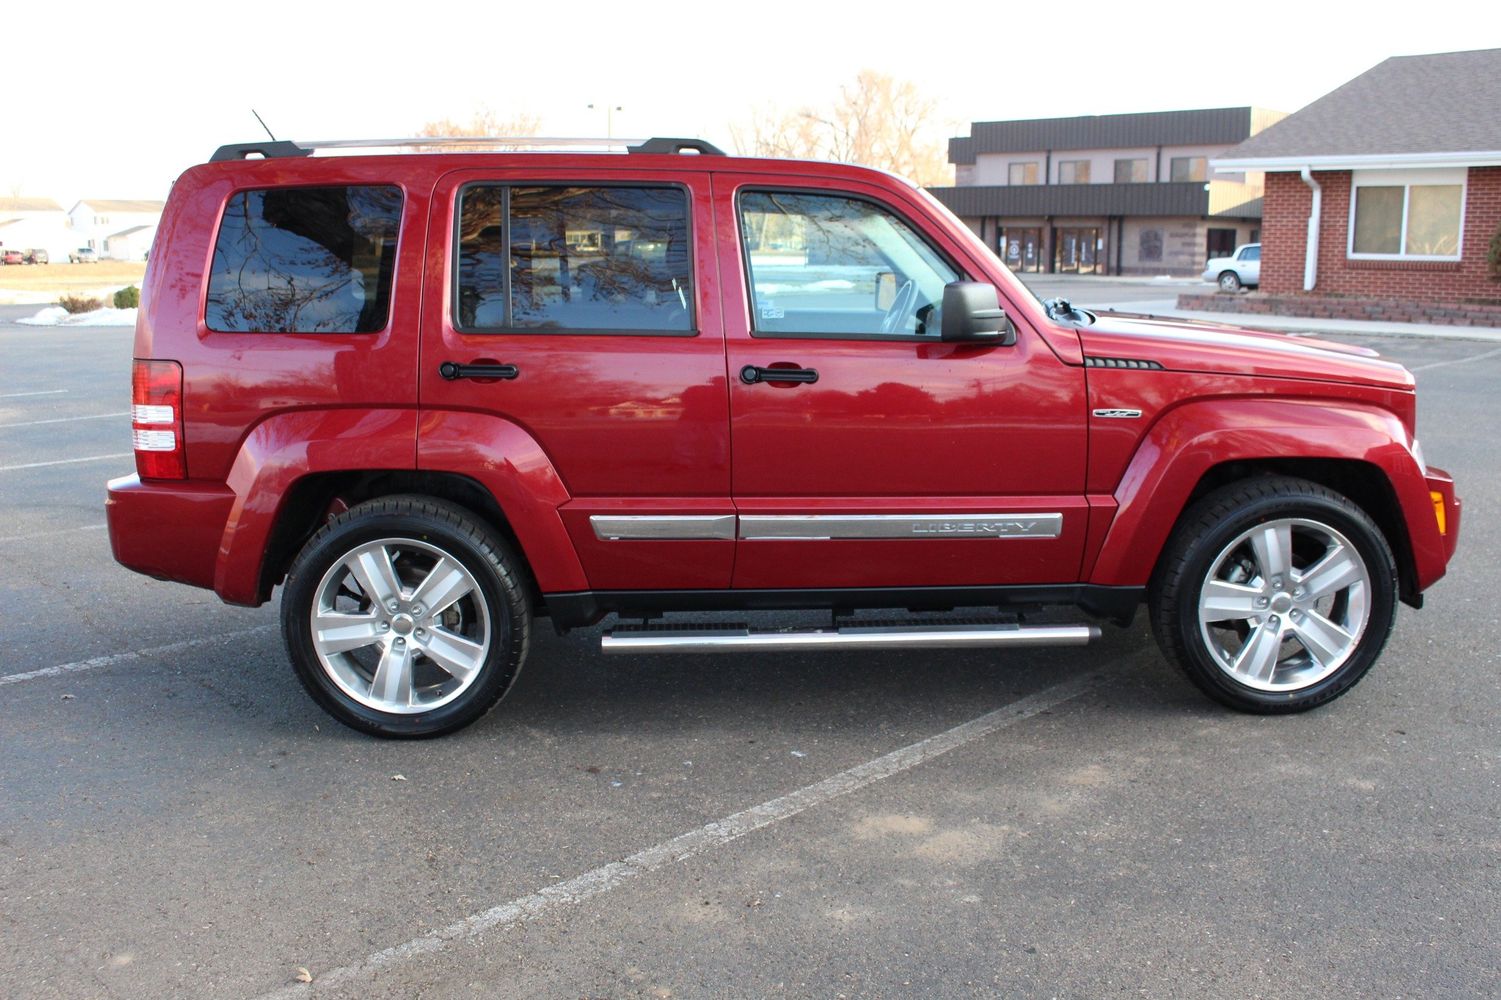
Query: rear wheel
{"x": 406, "y": 617}
{"x": 1275, "y": 595}
{"x": 1229, "y": 281}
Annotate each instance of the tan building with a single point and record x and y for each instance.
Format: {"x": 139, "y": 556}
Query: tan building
{"x": 1108, "y": 194}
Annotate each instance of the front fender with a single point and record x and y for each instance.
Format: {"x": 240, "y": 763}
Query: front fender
{"x": 282, "y": 449}
{"x": 1191, "y": 439}
{"x": 508, "y": 462}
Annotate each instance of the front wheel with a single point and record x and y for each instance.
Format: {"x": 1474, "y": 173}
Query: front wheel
{"x": 406, "y": 617}
{"x": 1275, "y": 595}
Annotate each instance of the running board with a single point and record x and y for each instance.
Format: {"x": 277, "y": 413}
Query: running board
{"x": 874, "y": 636}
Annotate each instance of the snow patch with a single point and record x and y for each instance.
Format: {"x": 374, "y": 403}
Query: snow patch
{"x": 58, "y": 316}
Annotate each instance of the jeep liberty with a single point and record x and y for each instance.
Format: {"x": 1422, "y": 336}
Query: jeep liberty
{"x": 439, "y": 394}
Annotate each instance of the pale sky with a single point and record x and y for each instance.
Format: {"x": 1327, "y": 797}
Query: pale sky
{"x": 113, "y": 100}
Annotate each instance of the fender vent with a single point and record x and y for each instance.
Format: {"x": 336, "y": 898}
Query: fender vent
{"x": 1093, "y": 362}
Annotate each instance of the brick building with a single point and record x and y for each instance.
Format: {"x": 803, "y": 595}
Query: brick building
{"x": 1108, "y": 194}
{"x": 1403, "y": 167}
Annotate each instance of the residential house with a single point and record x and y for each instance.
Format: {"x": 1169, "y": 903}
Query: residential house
{"x": 1383, "y": 198}
{"x": 130, "y": 244}
{"x": 96, "y": 220}
{"x": 1108, "y": 194}
{"x": 40, "y": 223}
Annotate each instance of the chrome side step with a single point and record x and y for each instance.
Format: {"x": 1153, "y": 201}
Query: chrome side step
{"x": 880, "y": 636}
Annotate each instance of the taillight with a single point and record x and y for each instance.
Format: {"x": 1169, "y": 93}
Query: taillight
{"x": 156, "y": 420}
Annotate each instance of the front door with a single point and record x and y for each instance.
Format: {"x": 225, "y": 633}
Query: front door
{"x": 595, "y": 295}
{"x": 868, "y": 453}
{"x": 1076, "y": 251}
{"x": 1219, "y": 243}
{"x": 1020, "y": 248}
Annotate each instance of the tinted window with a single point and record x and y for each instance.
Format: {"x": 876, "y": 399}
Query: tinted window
{"x": 1130, "y": 171}
{"x": 1189, "y": 168}
{"x": 827, "y": 264}
{"x": 1251, "y": 253}
{"x": 589, "y": 259}
{"x": 305, "y": 260}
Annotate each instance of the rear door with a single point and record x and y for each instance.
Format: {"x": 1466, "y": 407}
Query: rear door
{"x": 868, "y": 453}
{"x": 592, "y": 288}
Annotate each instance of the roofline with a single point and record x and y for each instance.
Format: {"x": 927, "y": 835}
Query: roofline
{"x": 1363, "y": 161}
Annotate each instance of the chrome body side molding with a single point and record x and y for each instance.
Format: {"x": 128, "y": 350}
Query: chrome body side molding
{"x": 830, "y": 526}
{"x": 663, "y": 527}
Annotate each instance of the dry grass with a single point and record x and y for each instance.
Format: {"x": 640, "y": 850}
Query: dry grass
{"x": 65, "y": 278}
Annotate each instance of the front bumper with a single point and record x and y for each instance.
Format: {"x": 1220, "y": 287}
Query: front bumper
{"x": 1447, "y": 509}
{"x": 170, "y": 530}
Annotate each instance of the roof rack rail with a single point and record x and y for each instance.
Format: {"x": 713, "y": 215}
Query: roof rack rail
{"x": 660, "y": 144}
{"x": 279, "y": 149}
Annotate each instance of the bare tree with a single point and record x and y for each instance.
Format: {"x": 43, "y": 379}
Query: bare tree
{"x": 875, "y": 120}
{"x": 483, "y": 123}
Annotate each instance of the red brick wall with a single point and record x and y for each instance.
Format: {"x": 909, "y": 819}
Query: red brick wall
{"x": 1284, "y": 232}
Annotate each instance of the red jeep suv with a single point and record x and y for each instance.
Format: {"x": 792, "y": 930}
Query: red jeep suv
{"x": 441, "y": 393}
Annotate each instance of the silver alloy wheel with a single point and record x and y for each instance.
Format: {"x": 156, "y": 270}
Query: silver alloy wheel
{"x": 1285, "y": 604}
{"x": 400, "y": 626}
{"x": 1230, "y": 281}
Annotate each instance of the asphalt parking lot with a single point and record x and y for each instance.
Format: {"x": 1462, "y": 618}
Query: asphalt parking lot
{"x": 177, "y": 819}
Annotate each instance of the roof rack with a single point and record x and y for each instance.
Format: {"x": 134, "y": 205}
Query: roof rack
{"x": 278, "y": 149}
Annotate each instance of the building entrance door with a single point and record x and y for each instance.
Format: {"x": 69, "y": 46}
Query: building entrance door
{"x": 1220, "y": 243}
{"x": 1076, "y": 252}
{"x": 1021, "y": 249}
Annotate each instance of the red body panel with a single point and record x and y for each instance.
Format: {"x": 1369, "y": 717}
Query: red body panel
{"x": 233, "y": 380}
{"x": 637, "y": 564}
{"x": 281, "y": 450}
{"x": 170, "y": 531}
{"x": 656, "y": 425}
{"x": 620, "y": 415}
{"x": 508, "y": 462}
{"x": 1193, "y": 438}
{"x": 899, "y": 427}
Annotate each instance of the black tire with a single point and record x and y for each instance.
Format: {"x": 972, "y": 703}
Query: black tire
{"x": 1229, "y": 281}
{"x": 415, "y": 532}
{"x": 1207, "y": 548}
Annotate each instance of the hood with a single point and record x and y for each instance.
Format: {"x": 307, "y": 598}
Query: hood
{"x": 1194, "y": 346}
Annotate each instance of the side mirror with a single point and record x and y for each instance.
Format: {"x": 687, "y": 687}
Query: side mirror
{"x": 972, "y": 311}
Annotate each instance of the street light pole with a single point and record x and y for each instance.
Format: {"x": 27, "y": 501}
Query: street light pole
{"x": 610, "y": 110}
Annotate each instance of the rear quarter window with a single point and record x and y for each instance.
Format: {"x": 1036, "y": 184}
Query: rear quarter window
{"x": 305, "y": 260}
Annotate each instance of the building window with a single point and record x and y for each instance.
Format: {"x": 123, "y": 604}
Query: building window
{"x": 1407, "y": 214}
{"x": 1190, "y": 168}
{"x": 1131, "y": 171}
{"x": 1023, "y": 173}
{"x": 1073, "y": 171}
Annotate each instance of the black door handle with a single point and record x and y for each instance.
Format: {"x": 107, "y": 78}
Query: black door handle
{"x": 751, "y": 374}
{"x": 451, "y": 370}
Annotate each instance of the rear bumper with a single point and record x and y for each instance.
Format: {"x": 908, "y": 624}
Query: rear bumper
{"x": 167, "y": 529}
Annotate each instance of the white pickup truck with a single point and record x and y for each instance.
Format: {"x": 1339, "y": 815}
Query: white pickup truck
{"x": 1242, "y": 268}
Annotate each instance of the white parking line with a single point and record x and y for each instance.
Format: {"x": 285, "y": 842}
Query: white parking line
{"x": 79, "y": 666}
{"x": 1457, "y": 361}
{"x": 66, "y": 461}
{"x": 49, "y": 534}
{"x": 43, "y": 392}
{"x": 695, "y": 842}
{"x": 65, "y": 420}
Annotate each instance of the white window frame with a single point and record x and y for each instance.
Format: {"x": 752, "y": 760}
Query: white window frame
{"x": 1406, "y": 179}
{"x": 1035, "y": 164}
